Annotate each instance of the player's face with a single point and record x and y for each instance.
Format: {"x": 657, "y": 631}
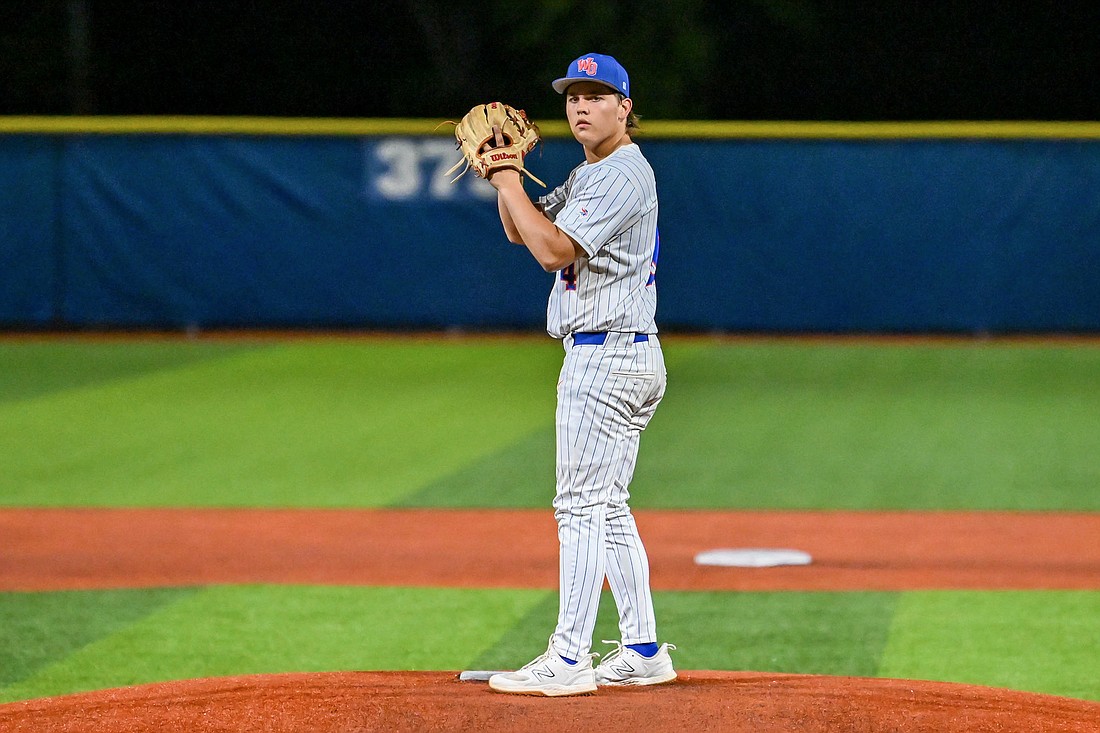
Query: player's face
{"x": 596, "y": 114}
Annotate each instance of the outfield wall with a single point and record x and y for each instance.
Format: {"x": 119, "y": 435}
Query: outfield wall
{"x": 174, "y": 223}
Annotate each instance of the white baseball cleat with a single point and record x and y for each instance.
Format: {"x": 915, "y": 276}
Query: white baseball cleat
{"x": 624, "y": 666}
{"x": 550, "y": 675}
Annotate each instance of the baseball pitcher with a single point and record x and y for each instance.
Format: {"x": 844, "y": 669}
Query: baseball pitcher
{"x": 598, "y": 233}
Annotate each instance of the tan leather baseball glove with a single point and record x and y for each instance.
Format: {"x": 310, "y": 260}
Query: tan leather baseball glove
{"x": 493, "y": 136}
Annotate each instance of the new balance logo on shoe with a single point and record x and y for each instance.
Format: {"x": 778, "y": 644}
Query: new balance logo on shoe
{"x": 622, "y": 667}
{"x": 544, "y": 673}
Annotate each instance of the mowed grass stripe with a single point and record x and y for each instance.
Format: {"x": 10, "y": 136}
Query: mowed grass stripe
{"x": 232, "y": 630}
{"x": 301, "y": 424}
{"x": 760, "y": 425}
{"x": 41, "y": 629}
{"x": 30, "y": 369}
{"x": 863, "y": 426}
{"x": 1037, "y": 641}
{"x": 806, "y": 633}
{"x": 754, "y": 424}
{"x": 1040, "y": 641}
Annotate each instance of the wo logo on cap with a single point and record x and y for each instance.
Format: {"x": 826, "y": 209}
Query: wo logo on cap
{"x": 588, "y": 66}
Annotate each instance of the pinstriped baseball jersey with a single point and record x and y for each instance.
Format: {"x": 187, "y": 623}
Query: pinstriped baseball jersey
{"x": 610, "y": 209}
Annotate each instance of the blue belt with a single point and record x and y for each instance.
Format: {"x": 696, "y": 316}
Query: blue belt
{"x": 597, "y": 339}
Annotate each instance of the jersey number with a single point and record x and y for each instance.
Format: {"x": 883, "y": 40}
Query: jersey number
{"x": 569, "y": 274}
{"x": 569, "y": 277}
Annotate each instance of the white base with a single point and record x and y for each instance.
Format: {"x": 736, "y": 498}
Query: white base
{"x": 752, "y": 557}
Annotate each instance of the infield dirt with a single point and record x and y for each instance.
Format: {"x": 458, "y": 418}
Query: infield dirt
{"x": 61, "y": 549}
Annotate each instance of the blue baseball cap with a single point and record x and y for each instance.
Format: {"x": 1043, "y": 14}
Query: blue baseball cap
{"x": 598, "y": 68}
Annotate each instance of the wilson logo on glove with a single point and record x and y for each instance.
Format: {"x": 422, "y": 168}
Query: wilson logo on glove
{"x": 492, "y": 137}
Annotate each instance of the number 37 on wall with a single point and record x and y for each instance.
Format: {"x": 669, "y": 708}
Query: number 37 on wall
{"x": 415, "y": 169}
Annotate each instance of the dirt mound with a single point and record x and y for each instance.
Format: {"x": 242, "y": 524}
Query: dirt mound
{"x": 346, "y": 702}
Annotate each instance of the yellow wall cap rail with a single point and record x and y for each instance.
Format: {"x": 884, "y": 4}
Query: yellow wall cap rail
{"x": 677, "y": 129}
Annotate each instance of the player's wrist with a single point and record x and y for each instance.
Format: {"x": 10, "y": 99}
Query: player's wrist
{"x": 504, "y": 177}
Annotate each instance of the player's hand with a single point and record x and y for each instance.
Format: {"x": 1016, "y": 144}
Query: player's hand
{"x": 501, "y": 178}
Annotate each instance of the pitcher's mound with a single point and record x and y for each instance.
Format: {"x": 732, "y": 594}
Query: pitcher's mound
{"x": 438, "y": 701}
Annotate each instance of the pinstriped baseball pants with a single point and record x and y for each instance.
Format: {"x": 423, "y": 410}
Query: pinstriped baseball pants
{"x": 606, "y": 396}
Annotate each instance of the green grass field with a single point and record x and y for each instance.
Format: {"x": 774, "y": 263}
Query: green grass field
{"x": 468, "y": 423}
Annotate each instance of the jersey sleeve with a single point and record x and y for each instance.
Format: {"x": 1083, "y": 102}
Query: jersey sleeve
{"x": 553, "y": 202}
{"x": 604, "y": 202}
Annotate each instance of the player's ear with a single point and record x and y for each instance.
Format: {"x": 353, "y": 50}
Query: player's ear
{"x": 625, "y": 105}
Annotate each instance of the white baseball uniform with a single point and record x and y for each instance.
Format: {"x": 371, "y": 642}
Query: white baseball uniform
{"x": 603, "y": 307}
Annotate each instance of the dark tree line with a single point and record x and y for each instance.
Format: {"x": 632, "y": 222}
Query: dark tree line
{"x": 689, "y": 59}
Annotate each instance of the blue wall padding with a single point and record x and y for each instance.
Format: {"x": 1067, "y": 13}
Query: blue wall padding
{"x": 886, "y": 236}
{"x": 30, "y": 253}
{"x": 170, "y": 231}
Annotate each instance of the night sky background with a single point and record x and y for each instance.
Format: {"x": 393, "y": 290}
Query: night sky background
{"x": 688, "y": 59}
